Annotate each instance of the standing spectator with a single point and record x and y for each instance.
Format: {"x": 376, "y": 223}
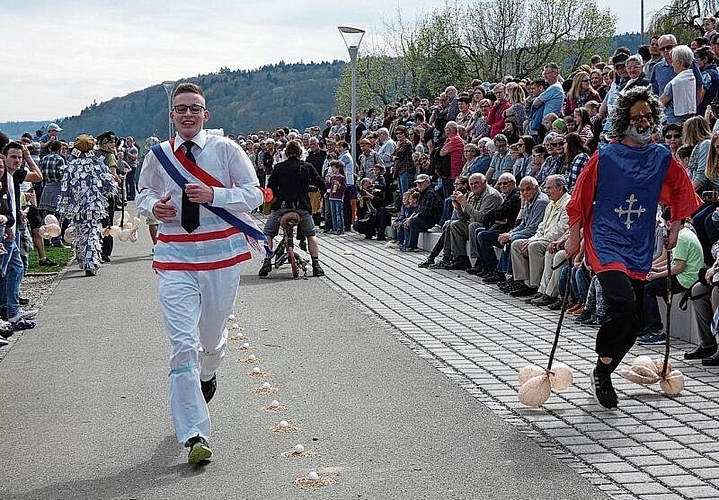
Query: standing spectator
{"x": 454, "y": 148}
{"x": 679, "y": 95}
{"x": 404, "y": 170}
{"x": 579, "y": 93}
{"x": 553, "y": 97}
{"x": 496, "y": 114}
{"x": 710, "y": 77}
{"x": 636, "y": 75}
{"x": 52, "y": 131}
{"x": 664, "y": 70}
{"x": 16, "y": 155}
{"x": 52, "y": 167}
{"x": 132, "y": 154}
{"x": 577, "y": 153}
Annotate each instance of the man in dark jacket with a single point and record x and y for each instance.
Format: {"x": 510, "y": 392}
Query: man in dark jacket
{"x": 290, "y": 183}
{"x": 429, "y": 210}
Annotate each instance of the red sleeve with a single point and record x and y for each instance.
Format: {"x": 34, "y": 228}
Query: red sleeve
{"x": 579, "y": 208}
{"x": 678, "y": 192}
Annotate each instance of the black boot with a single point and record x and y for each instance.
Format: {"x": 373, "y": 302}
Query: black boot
{"x": 427, "y": 262}
{"x": 317, "y": 270}
{"x": 266, "y": 267}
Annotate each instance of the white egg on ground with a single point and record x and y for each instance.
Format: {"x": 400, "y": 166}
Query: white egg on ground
{"x": 235, "y": 326}
{"x": 299, "y": 448}
{"x": 231, "y": 316}
{"x": 256, "y": 369}
{"x": 246, "y": 345}
{"x": 313, "y": 476}
{"x": 266, "y": 385}
{"x": 252, "y": 357}
{"x": 284, "y": 424}
{"x": 275, "y": 403}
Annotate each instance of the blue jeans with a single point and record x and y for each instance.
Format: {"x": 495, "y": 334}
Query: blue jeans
{"x": 13, "y": 272}
{"x": 447, "y": 211}
{"x": 404, "y": 182}
{"x": 338, "y": 217}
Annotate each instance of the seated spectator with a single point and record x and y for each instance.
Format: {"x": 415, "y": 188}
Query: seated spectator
{"x": 472, "y": 210}
{"x": 501, "y": 160}
{"x": 444, "y": 244}
{"x": 578, "y": 154}
{"x": 528, "y": 254}
{"x": 635, "y": 72}
{"x": 400, "y": 225}
{"x": 579, "y": 93}
{"x": 687, "y": 260}
{"x": 534, "y": 203}
{"x": 429, "y": 211}
{"x": 504, "y": 218}
{"x": 705, "y": 299}
{"x": 367, "y": 218}
{"x": 583, "y": 125}
{"x": 525, "y": 144}
{"x": 672, "y": 135}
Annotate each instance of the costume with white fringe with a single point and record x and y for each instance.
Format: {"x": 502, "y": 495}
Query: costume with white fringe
{"x": 199, "y": 272}
{"x": 86, "y": 184}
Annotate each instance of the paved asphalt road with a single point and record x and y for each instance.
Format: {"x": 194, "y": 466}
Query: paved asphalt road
{"x": 85, "y": 413}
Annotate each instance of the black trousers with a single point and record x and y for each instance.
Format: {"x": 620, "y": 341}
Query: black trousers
{"x": 623, "y": 299}
{"x": 107, "y": 241}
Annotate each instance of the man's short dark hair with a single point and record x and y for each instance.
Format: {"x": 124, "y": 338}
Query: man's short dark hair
{"x": 11, "y": 145}
{"x": 188, "y": 88}
{"x": 54, "y": 146}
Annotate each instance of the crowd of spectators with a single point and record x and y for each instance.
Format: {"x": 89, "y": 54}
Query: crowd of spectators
{"x": 491, "y": 168}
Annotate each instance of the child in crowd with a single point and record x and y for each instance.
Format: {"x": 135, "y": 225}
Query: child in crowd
{"x": 336, "y": 187}
{"x": 401, "y": 223}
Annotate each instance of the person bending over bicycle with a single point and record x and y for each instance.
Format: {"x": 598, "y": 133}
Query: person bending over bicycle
{"x": 290, "y": 183}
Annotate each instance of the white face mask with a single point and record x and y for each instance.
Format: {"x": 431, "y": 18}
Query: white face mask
{"x": 642, "y": 137}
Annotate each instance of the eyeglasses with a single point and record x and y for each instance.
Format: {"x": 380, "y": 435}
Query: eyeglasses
{"x": 634, "y": 120}
{"x": 672, "y": 136}
{"x": 195, "y": 109}
{"x": 557, "y": 144}
{"x": 666, "y": 48}
{"x": 503, "y": 183}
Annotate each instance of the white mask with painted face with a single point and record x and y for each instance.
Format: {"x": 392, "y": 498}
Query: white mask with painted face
{"x": 642, "y": 137}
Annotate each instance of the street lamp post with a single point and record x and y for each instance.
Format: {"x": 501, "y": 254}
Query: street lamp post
{"x": 169, "y": 86}
{"x": 352, "y": 38}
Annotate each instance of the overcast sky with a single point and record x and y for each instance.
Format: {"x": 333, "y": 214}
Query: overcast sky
{"x": 59, "y": 56}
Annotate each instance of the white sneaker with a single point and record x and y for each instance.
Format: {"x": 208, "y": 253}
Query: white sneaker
{"x": 392, "y": 245}
{"x": 22, "y": 314}
{"x": 436, "y": 229}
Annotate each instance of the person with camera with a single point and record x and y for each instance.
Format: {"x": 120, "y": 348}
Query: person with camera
{"x": 290, "y": 183}
{"x": 367, "y": 216}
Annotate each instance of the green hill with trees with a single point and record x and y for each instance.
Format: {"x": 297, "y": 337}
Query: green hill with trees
{"x": 297, "y": 95}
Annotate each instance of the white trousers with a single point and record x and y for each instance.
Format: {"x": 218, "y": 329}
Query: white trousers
{"x": 195, "y": 306}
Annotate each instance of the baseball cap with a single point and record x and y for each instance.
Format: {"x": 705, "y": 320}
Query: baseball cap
{"x": 54, "y": 126}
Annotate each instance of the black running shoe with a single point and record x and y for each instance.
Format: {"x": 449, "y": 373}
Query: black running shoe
{"x": 602, "y": 389}
{"x": 266, "y": 267}
{"x": 208, "y": 388}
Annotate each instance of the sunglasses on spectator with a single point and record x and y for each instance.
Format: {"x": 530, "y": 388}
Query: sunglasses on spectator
{"x": 672, "y": 136}
{"x": 503, "y": 183}
{"x": 666, "y": 48}
{"x": 585, "y": 81}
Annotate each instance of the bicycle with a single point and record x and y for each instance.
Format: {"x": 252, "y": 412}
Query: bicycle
{"x": 286, "y": 248}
